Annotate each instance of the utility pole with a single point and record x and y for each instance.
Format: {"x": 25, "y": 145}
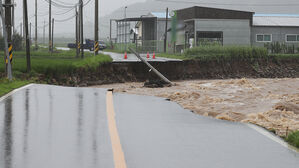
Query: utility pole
{"x": 35, "y": 39}
{"x": 81, "y": 29}
{"x": 52, "y": 40}
{"x": 21, "y": 30}
{"x": 26, "y": 36}
{"x": 111, "y": 43}
{"x": 8, "y": 24}
{"x": 77, "y": 34}
{"x": 50, "y": 26}
{"x": 166, "y": 29}
{"x": 96, "y": 28}
{"x": 30, "y": 26}
{"x": 5, "y": 35}
{"x": 13, "y": 17}
{"x": 44, "y": 33}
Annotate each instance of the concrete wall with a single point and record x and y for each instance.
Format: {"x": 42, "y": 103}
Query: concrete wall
{"x": 235, "y": 31}
{"x": 278, "y": 34}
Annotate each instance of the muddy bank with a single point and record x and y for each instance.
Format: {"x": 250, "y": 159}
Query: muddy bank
{"x": 186, "y": 70}
{"x": 270, "y": 103}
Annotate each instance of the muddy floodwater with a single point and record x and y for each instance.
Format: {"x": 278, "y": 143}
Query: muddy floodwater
{"x": 270, "y": 103}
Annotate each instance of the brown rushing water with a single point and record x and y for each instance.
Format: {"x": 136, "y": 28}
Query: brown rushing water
{"x": 270, "y": 103}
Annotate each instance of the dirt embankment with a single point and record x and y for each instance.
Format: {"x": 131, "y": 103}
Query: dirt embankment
{"x": 187, "y": 70}
{"x": 270, "y": 103}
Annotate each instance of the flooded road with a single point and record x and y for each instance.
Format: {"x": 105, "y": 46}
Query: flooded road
{"x": 45, "y": 126}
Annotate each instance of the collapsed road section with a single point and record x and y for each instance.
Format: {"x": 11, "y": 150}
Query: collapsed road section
{"x": 49, "y": 126}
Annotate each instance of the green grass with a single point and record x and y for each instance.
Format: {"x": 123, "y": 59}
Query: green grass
{"x": 48, "y": 65}
{"x": 60, "y": 62}
{"x": 293, "y": 139}
{"x": 227, "y": 53}
{"x": 221, "y": 53}
{"x": 285, "y": 56}
{"x": 6, "y": 86}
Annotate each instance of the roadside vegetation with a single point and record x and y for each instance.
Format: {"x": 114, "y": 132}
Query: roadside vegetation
{"x": 63, "y": 62}
{"x": 228, "y": 53}
{"x": 293, "y": 139}
{"x": 7, "y": 86}
{"x": 45, "y": 66}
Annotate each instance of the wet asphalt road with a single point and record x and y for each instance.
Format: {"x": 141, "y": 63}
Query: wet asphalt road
{"x": 57, "y": 127}
{"x": 119, "y": 58}
{"x": 132, "y": 58}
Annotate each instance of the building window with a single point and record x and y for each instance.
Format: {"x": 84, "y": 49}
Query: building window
{"x": 209, "y": 38}
{"x": 292, "y": 38}
{"x": 263, "y": 37}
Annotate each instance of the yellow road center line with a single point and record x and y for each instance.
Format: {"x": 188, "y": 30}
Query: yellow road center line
{"x": 118, "y": 154}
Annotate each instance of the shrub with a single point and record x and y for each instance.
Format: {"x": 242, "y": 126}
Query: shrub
{"x": 17, "y": 43}
{"x": 293, "y": 139}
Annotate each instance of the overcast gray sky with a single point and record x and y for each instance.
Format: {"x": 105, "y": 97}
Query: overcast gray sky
{"x": 107, "y": 8}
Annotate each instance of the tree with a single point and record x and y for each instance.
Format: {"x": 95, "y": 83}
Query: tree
{"x": 16, "y": 42}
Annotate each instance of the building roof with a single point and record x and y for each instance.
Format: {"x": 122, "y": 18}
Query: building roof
{"x": 150, "y": 16}
{"x": 199, "y": 12}
{"x": 283, "y": 20}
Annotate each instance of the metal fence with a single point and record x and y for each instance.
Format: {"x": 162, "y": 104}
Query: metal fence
{"x": 142, "y": 46}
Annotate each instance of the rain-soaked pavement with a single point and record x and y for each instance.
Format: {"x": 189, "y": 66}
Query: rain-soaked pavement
{"x": 58, "y": 127}
{"x": 118, "y": 58}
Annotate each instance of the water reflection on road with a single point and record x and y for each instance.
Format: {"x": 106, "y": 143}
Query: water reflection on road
{"x": 54, "y": 127}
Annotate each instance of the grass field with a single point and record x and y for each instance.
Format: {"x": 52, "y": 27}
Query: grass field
{"x": 43, "y": 62}
{"x": 6, "y": 86}
{"x": 46, "y": 64}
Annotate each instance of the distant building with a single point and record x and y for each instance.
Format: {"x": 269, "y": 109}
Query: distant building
{"x": 269, "y": 28}
{"x": 232, "y": 27}
{"x": 198, "y": 26}
{"x": 225, "y": 27}
{"x": 146, "y": 32}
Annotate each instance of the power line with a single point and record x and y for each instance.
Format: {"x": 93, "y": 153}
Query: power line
{"x": 64, "y": 3}
{"x": 46, "y": 14}
{"x": 59, "y": 5}
{"x": 67, "y": 19}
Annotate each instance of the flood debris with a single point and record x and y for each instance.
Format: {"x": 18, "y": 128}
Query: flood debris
{"x": 156, "y": 84}
{"x": 269, "y": 103}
